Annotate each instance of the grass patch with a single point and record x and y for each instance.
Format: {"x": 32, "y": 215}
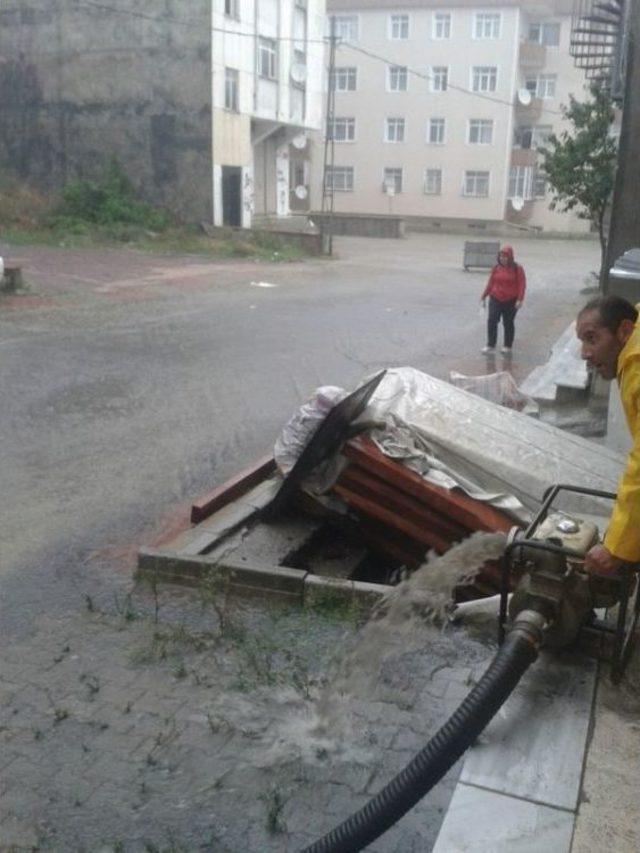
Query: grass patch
{"x": 107, "y": 212}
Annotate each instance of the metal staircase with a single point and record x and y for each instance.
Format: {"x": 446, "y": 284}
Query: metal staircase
{"x": 598, "y": 40}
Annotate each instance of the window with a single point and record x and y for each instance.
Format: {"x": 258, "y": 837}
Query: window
{"x": 433, "y": 181}
{"x": 392, "y": 180}
{"x": 476, "y": 184}
{"x": 542, "y": 86}
{"x": 345, "y": 27}
{"x": 439, "y": 78}
{"x": 397, "y": 78}
{"x": 486, "y": 25}
{"x": 339, "y": 178}
{"x": 267, "y": 58}
{"x": 441, "y": 28}
{"x": 342, "y": 130}
{"x": 435, "y": 131}
{"x": 399, "y": 26}
{"x": 539, "y": 184}
{"x": 521, "y": 182}
{"x": 231, "y": 89}
{"x": 344, "y": 79}
{"x": 231, "y": 9}
{"x": 480, "y": 131}
{"x": 394, "y": 130}
{"x": 547, "y": 33}
{"x": 532, "y": 137}
{"x": 484, "y": 78}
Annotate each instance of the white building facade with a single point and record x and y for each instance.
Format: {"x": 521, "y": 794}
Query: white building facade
{"x": 267, "y": 70}
{"x": 440, "y": 107}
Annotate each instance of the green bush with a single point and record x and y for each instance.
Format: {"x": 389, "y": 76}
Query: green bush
{"x": 108, "y": 201}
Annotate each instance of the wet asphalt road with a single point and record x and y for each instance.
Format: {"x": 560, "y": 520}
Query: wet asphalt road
{"x": 130, "y": 383}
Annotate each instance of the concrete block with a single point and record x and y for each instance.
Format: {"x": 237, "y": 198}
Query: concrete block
{"x": 318, "y": 589}
{"x": 171, "y": 567}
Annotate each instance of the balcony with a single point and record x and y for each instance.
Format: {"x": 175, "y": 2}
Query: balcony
{"x": 532, "y": 54}
{"x": 528, "y": 113}
{"x": 518, "y": 217}
{"x": 524, "y": 157}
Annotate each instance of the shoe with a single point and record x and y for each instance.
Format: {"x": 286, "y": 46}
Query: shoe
{"x": 506, "y": 350}
{"x": 488, "y": 350}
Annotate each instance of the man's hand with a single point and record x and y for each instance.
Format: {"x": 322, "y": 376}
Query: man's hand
{"x": 599, "y": 561}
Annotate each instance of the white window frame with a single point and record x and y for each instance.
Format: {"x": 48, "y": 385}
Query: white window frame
{"x": 401, "y": 75}
{"x": 484, "y": 72}
{"x": 543, "y": 29}
{"x": 232, "y": 89}
{"x": 399, "y": 26}
{"x": 267, "y": 55}
{"x": 343, "y": 129}
{"x": 538, "y": 177}
{"x": 441, "y": 125}
{"x": 398, "y": 173}
{"x": 347, "y": 178}
{"x": 345, "y": 27}
{"x": 521, "y": 182}
{"x": 343, "y": 74}
{"x": 487, "y": 25}
{"x": 395, "y": 129}
{"x": 435, "y": 171}
{"x": 476, "y": 175}
{"x": 539, "y": 86}
{"x": 441, "y": 26}
{"x": 439, "y": 78}
{"x": 478, "y": 127}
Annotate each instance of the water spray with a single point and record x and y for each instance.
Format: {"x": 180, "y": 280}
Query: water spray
{"x": 554, "y": 599}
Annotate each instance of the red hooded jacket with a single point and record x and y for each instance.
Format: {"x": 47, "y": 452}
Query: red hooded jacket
{"x": 506, "y": 282}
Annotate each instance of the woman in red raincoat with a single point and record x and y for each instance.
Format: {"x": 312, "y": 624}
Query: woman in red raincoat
{"x": 505, "y": 289}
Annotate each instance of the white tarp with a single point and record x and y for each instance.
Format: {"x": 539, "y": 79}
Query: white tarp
{"x": 498, "y": 450}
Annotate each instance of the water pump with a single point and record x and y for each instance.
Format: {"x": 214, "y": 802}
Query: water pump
{"x": 553, "y": 601}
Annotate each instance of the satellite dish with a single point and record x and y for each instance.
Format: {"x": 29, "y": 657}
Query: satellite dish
{"x": 301, "y": 192}
{"x": 298, "y": 72}
{"x": 517, "y": 203}
{"x": 524, "y": 96}
{"x": 299, "y": 141}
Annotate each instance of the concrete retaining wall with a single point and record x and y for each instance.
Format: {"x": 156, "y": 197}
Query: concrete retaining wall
{"x": 361, "y": 224}
{"x": 81, "y": 83}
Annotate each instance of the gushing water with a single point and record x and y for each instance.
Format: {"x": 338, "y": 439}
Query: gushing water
{"x": 403, "y": 621}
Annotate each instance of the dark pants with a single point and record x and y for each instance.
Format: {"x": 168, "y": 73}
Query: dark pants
{"x": 506, "y": 311}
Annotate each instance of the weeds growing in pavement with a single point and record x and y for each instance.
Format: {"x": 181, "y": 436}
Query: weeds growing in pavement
{"x": 275, "y": 802}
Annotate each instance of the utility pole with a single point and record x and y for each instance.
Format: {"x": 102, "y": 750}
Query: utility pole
{"x": 624, "y": 230}
{"x": 326, "y": 228}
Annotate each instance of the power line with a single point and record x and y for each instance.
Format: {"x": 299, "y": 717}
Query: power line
{"x": 93, "y": 4}
{"x": 430, "y": 77}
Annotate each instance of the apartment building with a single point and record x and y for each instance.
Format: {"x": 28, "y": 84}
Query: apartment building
{"x": 268, "y": 60}
{"x": 208, "y": 107}
{"x": 440, "y": 108}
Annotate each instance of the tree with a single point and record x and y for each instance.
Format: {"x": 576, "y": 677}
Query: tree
{"x": 580, "y": 163}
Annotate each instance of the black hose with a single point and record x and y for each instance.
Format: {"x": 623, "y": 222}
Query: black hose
{"x": 518, "y": 652}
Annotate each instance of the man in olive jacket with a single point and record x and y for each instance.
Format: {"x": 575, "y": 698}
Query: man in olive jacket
{"x": 609, "y": 331}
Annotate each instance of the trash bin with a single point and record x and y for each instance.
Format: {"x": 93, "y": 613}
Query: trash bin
{"x": 624, "y": 276}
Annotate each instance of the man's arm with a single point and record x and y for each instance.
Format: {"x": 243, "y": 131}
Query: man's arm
{"x": 622, "y": 539}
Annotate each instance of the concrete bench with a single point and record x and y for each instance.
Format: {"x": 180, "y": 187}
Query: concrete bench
{"x": 482, "y": 255}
